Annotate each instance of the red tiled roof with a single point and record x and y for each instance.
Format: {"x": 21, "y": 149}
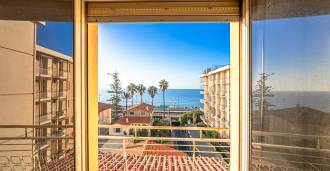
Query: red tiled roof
{"x": 128, "y": 120}
{"x": 152, "y": 148}
{"x": 66, "y": 162}
{"x": 116, "y": 162}
{"x": 103, "y": 106}
{"x": 142, "y": 106}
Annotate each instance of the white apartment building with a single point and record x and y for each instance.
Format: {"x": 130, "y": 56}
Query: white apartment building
{"x": 216, "y": 89}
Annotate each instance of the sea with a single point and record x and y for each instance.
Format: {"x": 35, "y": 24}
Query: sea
{"x": 173, "y": 97}
{"x": 319, "y": 100}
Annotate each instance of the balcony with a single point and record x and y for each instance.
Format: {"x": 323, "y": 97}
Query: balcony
{"x": 181, "y": 147}
{"x": 42, "y": 144}
{"x": 43, "y": 96}
{"x": 44, "y": 118}
{"x": 59, "y": 94}
{"x": 60, "y": 74}
{"x": 61, "y": 114}
{"x": 58, "y": 133}
{"x": 62, "y": 93}
{"x": 43, "y": 71}
{"x": 55, "y": 94}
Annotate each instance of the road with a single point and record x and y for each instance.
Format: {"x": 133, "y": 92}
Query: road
{"x": 201, "y": 145}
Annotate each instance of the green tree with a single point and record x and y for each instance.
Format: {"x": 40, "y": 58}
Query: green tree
{"x": 126, "y": 96}
{"x": 141, "y": 89}
{"x": 152, "y": 91}
{"x": 163, "y": 86}
{"x": 131, "y": 89}
{"x": 261, "y": 96}
{"x": 115, "y": 92}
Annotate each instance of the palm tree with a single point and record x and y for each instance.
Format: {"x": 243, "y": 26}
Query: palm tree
{"x": 163, "y": 85}
{"x": 152, "y": 91}
{"x": 126, "y": 96}
{"x": 131, "y": 89}
{"x": 141, "y": 89}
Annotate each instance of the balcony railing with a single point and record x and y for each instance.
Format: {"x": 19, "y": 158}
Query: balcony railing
{"x": 62, "y": 93}
{"x": 57, "y": 94}
{"x": 43, "y": 118}
{"x": 59, "y": 133}
{"x": 41, "y": 144}
{"x": 60, "y": 113}
{"x": 63, "y": 73}
{"x": 186, "y": 143}
{"x": 60, "y": 74}
{"x": 295, "y": 151}
{"x": 43, "y": 71}
{"x": 42, "y": 95}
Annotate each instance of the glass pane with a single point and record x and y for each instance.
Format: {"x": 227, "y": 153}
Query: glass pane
{"x": 150, "y": 104}
{"x": 290, "y": 85}
{"x": 36, "y": 89}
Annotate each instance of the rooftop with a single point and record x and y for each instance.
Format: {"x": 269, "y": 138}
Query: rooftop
{"x": 53, "y": 53}
{"x": 111, "y": 161}
{"x": 142, "y": 106}
{"x": 151, "y": 148}
{"x": 103, "y": 106}
{"x": 214, "y": 69}
{"x": 128, "y": 120}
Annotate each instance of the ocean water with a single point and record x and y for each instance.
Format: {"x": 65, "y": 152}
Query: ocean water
{"x": 191, "y": 98}
{"x": 173, "y": 97}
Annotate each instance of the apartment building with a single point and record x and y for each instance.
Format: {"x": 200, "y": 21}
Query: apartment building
{"x": 16, "y": 89}
{"x": 216, "y": 90}
{"x": 36, "y": 89}
{"x": 53, "y": 101}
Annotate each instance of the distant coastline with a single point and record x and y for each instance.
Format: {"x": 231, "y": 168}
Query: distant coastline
{"x": 173, "y": 97}
{"x": 319, "y": 100}
{"x": 281, "y": 100}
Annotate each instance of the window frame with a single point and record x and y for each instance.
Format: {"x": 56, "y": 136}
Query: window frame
{"x": 85, "y": 68}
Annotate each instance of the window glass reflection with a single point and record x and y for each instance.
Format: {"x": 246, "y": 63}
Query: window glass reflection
{"x": 290, "y": 86}
{"x": 36, "y": 89}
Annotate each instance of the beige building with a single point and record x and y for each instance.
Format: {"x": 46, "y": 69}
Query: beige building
{"x": 142, "y": 109}
{"x": 17, "y": 49}
{"x": 216, "y": 85}
{"x": 53, "y": 100}
{"x": 104, "y": 113}
{"x": 36, "y": 89}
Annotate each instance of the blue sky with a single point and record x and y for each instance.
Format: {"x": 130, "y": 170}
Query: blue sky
{"x": 148, "y": 52}
{"x": 57, "y": 36}
{"x": 296, "y": 50}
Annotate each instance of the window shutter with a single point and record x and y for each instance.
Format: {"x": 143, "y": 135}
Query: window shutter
{"x": 164, "y": 11}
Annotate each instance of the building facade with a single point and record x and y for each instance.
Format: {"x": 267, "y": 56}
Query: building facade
{"x": 104, "y": 113}
{"x": 53, "y": 101}
{"x": 17, "y": 47}
{"x": 36, "y": 90}
{"x": 216, "y": 89}
{"x": 142, "y": 109}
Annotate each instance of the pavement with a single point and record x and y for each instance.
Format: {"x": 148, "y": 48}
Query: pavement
{"x": 195, "y": 134}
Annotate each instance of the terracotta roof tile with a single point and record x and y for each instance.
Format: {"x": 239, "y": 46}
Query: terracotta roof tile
{"x": 128, "y": 120}
{"x": 153, "y": 148}
{"x": 142, "y": 106}
{"x": 116, "y": 162}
